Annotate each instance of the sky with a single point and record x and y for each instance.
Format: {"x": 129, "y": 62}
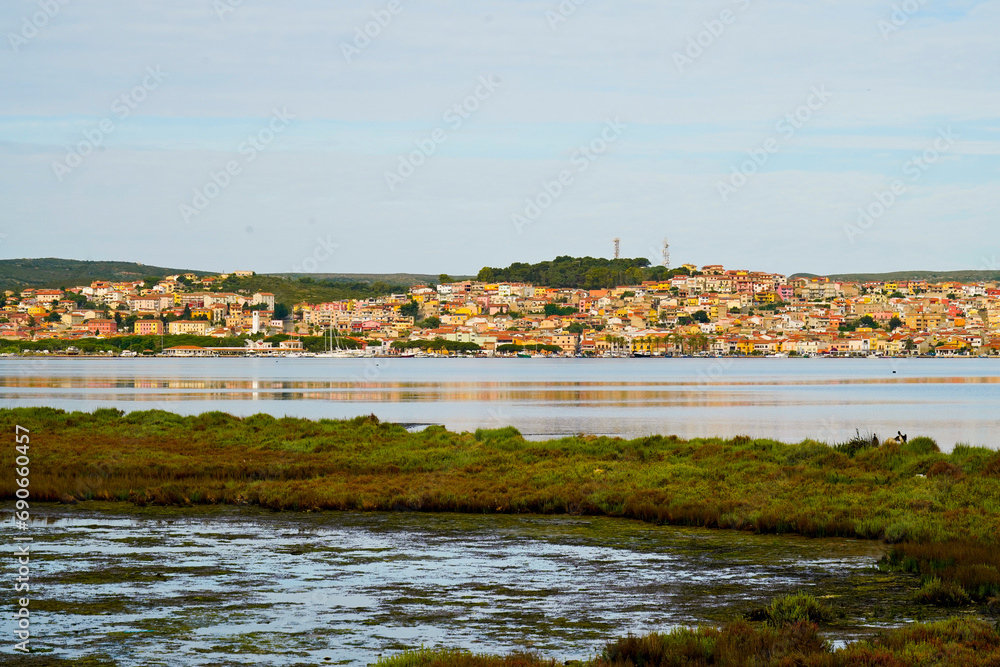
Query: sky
{"x": 430, "y": 136}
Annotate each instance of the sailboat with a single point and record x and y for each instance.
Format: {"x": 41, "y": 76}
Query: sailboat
{"x": 331, "y": 352}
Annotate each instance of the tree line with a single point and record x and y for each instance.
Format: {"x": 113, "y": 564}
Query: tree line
{"x": 581, "y": 272}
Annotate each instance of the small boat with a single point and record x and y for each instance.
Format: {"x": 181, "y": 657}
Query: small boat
{"x": 523, "y": 355}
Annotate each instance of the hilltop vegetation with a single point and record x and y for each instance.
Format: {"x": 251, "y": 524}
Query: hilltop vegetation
{"x": 17, "y": 274}
{"x": 581, "y": 272}
{"x": 407, "y": 279}
{"x": 981, "y": 275}
{"x": 313, "y": 290}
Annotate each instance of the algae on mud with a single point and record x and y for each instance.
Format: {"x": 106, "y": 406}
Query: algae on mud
{"x": 370, "y": 583}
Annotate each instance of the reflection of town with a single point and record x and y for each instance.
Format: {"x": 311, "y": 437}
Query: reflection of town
{"x": 719, "y": 393}
{"x": 706, "y": 311}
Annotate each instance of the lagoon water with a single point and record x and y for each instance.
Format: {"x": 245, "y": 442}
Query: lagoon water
{"x": 236, "y": 586}
{"x": 952, "y": 400}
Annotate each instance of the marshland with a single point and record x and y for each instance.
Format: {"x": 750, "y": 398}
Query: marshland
{"x": 599, "y": 537}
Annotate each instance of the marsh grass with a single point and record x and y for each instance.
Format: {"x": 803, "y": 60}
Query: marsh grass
{"x": 942, "y": 511}
{"x": 955, "y": 642}
{"x": 459, "y": 658}
{"x": 975, "y": 568}
{"x": 790, "y": 609}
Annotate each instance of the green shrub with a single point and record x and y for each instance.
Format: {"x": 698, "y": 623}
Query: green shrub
{"x": 809, "y": 450}
{"x": 858, "y": 443}
{"x": 791, "y": 609}
{"x": 942, "y": 594}
{"x": 493, "y": 434}
{"x": 921, "y": 445}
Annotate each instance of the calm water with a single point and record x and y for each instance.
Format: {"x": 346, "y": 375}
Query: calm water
{"x": 242, "y": 586}
{"x": 951, "y": 400}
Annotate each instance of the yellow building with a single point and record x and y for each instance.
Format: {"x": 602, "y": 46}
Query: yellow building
{"x": 195, "y": 327}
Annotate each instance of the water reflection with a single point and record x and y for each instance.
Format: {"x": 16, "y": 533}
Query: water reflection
{"x": 952, "y": 400}
{"x": 221, "y": 582}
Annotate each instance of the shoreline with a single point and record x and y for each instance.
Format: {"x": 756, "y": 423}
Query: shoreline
{"x": 898, "y": 492}
{"x": 484, "y": 356}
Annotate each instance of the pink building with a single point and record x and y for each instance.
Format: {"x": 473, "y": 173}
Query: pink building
{"x": 102, "y": 327}
{"x": 148, "y": 327}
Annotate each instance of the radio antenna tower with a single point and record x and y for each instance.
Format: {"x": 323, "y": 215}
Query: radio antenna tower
{"x": 666, "y": 254}
{"x": 618, "y": 246}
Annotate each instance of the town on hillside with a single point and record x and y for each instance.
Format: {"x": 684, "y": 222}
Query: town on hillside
{"x": 706, "y": 311}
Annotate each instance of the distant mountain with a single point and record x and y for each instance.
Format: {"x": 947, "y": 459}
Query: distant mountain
{"x": 406, "y": 279}
{"x": 16, "y": 274}
{"x": 930, "y": 276}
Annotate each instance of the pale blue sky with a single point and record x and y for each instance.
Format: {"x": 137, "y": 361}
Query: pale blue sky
{"x": 892, "y": 89}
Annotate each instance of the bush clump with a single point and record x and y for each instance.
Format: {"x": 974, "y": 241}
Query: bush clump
{"x": 921, "y": 445}
{"x": 942, "y": 594}
{"x": 858, "y": 443}
{"x": 791, "y": 609}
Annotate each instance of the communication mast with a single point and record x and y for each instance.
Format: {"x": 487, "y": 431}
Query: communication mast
{"x": 618, "y": 245}
{"x": 666, "y": 254}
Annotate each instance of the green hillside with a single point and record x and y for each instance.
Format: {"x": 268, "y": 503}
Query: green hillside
{"x": 581, "y": 272}
{"x": 308, "y": 288}
{"x": 18, "y": 274}
{"x": 930, "y": 276}
{"x": 407, "y": 279}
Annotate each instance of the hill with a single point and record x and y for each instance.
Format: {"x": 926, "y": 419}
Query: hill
{"x": 407, "y": 279}
{"x": 16, "y": 274}
{"x": 309, "y": 288}
{"x": 930, "y": 276}
{"x": 581, "y": 272}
